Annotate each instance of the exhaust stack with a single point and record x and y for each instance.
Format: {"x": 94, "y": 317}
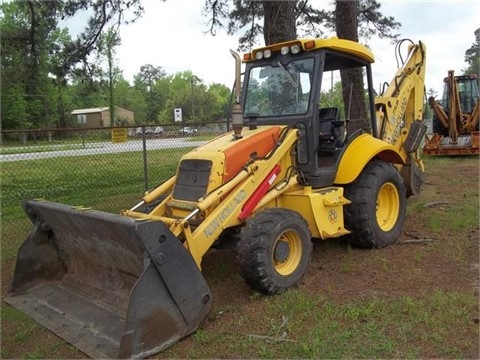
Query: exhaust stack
{"x": 237, "y": 112}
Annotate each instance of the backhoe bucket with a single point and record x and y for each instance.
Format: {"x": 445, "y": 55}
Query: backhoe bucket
{"x": 112, "y": 286}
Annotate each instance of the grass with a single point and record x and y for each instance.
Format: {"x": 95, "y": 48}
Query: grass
{"x": 86, "y": 180}
{"x": 403, "y": 327}
{"x": 454, "y": 210}
{"x": 108, "y": 182}
{"x": 457, "y": 217}
{"x": 296, "y": 324}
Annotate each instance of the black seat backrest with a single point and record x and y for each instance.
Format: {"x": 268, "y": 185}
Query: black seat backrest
{"x": 329, "y": 114}
{"x": 327, "y": 117}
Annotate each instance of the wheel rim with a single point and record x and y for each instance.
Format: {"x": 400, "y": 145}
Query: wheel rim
{"x": 388, "y": 204}
{"x": 287, "y": 253}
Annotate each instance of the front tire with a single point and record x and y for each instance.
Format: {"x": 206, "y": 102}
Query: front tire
{"x": 378, "y": 209}
{"x": 274, "y": 250}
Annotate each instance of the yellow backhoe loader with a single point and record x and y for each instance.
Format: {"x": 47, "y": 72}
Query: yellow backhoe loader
{"x": 130, "y": 285}
{"x": 455, "y": 118}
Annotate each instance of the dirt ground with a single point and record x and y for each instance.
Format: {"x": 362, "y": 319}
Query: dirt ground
{"x": 421, "y": 262}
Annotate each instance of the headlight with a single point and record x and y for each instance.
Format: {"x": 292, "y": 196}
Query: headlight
{"x": 267, "y": 53}
{"x": 285, "y": 50}
{"x": 258, "y": 55}
{"x": 295, "y": 49}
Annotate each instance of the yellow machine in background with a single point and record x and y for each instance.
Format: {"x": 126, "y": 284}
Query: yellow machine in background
{"x": 456, "y": 118}
{"x": 130, "y": 285}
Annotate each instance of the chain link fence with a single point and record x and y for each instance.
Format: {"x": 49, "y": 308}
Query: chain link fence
{"x": 107, "y": 169}
{"x": 103, "y": 164}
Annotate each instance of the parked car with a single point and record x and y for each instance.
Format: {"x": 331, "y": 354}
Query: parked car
{"x": 158, "y": 130}
{"x": 149, "y": 131}
{"x": 188, "y": 130}
{"x": 139, "y": 131}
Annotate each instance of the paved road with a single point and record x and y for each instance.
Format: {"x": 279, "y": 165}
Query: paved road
{"x": 104, "y": 148}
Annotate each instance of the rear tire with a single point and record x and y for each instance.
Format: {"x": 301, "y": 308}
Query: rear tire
{"x": 378, "y": 209}
{"x": 274, "y": 250}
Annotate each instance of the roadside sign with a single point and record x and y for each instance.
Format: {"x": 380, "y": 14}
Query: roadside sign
{"x": 177, "y": 113}
{"x": 119, "y": 135}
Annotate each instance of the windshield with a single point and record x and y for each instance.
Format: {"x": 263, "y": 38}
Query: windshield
{"x": 279, "y": 89}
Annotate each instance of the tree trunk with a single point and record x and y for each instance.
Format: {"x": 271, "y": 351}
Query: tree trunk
{"x": 346, "y": 22}
{"x": 279, "y": 21}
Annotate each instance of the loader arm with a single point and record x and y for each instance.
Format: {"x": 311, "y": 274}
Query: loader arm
{"x": 439, "y": 111}
{"x": 475, "y": 115}
{"x": 231, "y": 210}
{"x": 455, "y": 116}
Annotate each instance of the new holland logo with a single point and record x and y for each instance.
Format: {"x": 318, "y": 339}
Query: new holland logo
{"x": 225, "y": 213}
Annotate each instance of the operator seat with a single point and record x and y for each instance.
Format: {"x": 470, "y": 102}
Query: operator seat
{"x": 332, "y": 130}
{"x": 330, "y": 141}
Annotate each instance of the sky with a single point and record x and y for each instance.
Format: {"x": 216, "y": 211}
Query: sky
{"x": 173, "y": 35}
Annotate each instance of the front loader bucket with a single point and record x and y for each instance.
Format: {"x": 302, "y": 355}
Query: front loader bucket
{"x": 112, "y": 286}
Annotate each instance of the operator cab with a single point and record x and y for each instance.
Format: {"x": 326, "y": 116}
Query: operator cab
{"x": 298, "y": 83}
{"x": 467, "y": 91}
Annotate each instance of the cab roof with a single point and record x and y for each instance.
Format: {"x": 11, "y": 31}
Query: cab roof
{"x": 334, "y": 43}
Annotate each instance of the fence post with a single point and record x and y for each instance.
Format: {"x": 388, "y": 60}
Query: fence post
{"x": 145, "y": 169}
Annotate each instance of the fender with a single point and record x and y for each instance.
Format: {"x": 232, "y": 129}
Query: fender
{"x": 359, "y": 152}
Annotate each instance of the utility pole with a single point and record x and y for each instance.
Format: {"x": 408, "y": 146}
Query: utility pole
{"x": 193, "y": 79}
{"x": 193, "y": 103}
